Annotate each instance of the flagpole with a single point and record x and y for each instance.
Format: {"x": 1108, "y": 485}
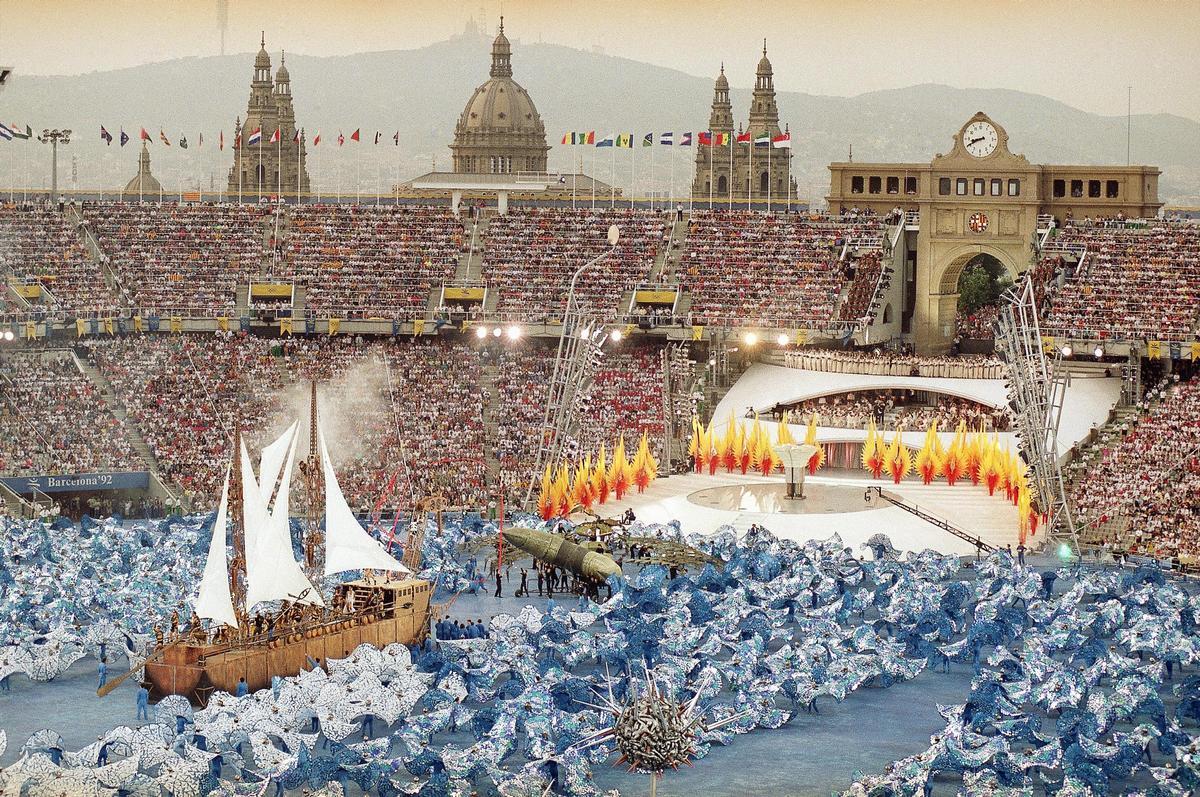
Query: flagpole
{"x": 299, "y": 169}
{"x": 750, "y": 173}
{"x": 651, "y": 179}
{"x": 259, "y": 175}
{"x": 279, "y": 165}
{"x": 612, "y": 175}
{"x": 788, "y": 183}
{"x": 577, "y": 164}
{"x": 770, "y": 159}
{"x": 396, "y": 196}
{"x": 671, "y": 189}
{"x": 731, "y": 143}
{"x": 593, "y": 175}
{"x": 632, "y": 170}
{"x": 712, "y": 178}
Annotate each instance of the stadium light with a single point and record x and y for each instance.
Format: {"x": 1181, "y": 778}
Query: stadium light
{"x": 615, "y": 336}
{"x": 481, "y": 332}
{"x": 1064, "y": 552}
{"x": 1099, "y": 351}
{"x": 497, "y": 332}
{"x": 783, "y": 339}
{"x": 514, "y": 332}
{"x": 8, "y": 335}
{"x": 1067, "y": 351}
{"x": 750, "y": 338}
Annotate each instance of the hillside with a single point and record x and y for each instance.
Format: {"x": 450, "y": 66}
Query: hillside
{"x": 421, "y": 92}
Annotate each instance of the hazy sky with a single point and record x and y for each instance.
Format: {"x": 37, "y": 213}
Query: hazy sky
{"x": 1084, "y": 53}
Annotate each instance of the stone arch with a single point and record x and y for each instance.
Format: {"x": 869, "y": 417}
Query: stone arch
{"x": 947, "y": 273}
{"x": 764, "y": 180}
{"x": 722, "y": 185}
{"x": 887, "y": 313}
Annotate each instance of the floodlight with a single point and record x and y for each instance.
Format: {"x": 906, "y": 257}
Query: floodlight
{"x": 514, "y": 332}
{"x": 481, "y": 332}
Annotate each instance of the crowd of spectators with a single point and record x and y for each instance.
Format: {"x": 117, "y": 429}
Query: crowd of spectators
{"x": 364, "y": 261}
{"x": 767, "y": 269}
{"x": 171, "y": 257}
{"x": 893, "y": 408}
{"x": 864, "y": 276}
{"x": 1150, "y": 476}
{"x": 39, "y": 244}
{"x": 979, "y": 325}
{"x": 54, "y": 420}
{"x": 1137, "y": 281}
{"x": 884, "y": 362}
{"x": 530, "y": 255}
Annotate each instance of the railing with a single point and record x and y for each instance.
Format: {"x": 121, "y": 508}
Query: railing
{"x": 930, "y": 518}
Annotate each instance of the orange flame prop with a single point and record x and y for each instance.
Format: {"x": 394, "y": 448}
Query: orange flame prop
{"x": 810, "y": 437}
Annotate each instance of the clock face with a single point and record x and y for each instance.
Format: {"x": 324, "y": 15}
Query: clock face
{"x": 978, "y": 222}
{"x": 980, "y": 139}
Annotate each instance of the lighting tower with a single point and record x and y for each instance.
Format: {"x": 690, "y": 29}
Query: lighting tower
{"x": 54, "y": 138}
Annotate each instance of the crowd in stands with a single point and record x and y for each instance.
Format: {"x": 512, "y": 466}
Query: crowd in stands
{"x": 169, "y": 256}
{"x": 979, "y": 325}
{"x": 531, "y": 254}
{"x": 40, "y": 245}
{"x": 1150, "y": 476}
{"x": 1136, "y": 281}
{"x": 365, "y": 261}
{"x": 860, "y": 290}
{"x": 768, "y": 269}
{"x": 54, "y": 420}
{"x": 897, "y": 408}
{"x": 883, "y": 362}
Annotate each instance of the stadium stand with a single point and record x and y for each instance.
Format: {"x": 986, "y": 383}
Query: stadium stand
{"x": 41, "y": 245}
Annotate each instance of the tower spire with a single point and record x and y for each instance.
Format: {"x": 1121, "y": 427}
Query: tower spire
{"x": 262, "y": 41}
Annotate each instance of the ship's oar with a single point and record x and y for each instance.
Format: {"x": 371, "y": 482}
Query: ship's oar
{"x": 113, "y": 684}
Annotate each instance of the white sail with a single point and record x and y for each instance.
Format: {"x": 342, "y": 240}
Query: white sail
{"x": 347, "y": 544}
{"x": 272, "y": 459}
{"x": 272, "y": 572}
{"x": 214, "y": 601}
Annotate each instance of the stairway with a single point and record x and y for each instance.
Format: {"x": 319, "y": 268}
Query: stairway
{"x": 140, "y": 446}
{"x": 470, "y": 264}
{"x": 92, "y": 247}
{"x": 488, "y": 374}
{"x": 668, "y": 255}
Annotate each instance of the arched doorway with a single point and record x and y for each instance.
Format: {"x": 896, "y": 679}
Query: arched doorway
{"x": 722, "y": 185}
{"x": 981, "y": 282}
{"x": 936, "y": 302}
{"x": 764, "y": 182}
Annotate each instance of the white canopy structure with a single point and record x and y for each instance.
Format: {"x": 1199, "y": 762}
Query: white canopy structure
{"x": 214, "y": 601}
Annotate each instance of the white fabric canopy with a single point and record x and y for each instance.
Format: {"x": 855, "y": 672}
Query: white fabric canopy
{"x": 347, "y": 545}
{"x": 272, "y": 460}
{"x": 214, "y": 601}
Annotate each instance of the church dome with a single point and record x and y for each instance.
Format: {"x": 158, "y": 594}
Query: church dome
{"x": 722, "y": 81}
{"x": 263, "y": 59}
{"x": 500, "y": 121}
{"x": 764, "y": 65}
{"x": 143, "y": 183}
{"x": 281, "y": 75}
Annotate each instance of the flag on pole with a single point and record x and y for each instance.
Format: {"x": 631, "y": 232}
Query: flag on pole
{"x": 317, "y": 138}
{"x": 163, "y": 137}
{"x": 274, "y": 137}
{"x": 782, "y": 141}
{"x": 341, "y": 138}
{"x": 685, "y": 139}
{"x": 124, "y": 137}
{"x": 377, "y": 134}
{"x": 255, "y": 137}
{"x": 221, "y": 141}
{"x": 396, "y": 138}
{"x": 648, "y": 140}
{"x": 607, "y": 141}
{"x": 743, "y": 138}
{"x": 105, "y": 136}
{"x": 296, "y": 136}
{"x": 354, "y": 136}
{"x": 721, "y": 139}
{"x": 667, "y": 139}
{"x": 568, "y": 138}
{"x": 762, "y": 141}
{"x": 706, "y": 138}
{"x": 5, "y": 132}
{"x": 183, "y": 142}
{"x": 201, "y": 142}
{"x": 625, "y": 140}
{"x": 145, "y": 135}
{"x": 16, "y": 131}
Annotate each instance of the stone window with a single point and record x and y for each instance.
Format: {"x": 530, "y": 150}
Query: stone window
{"x": 1113, "y": 189}
{"x": 1094, "y": 189}
{"x": 893, "y": 185}
{"x": 944, "y": 186}
{"x": 875, "y": 184}
{"x": 910, "y": 185}
{"x": 856, "y": 184}
{"x": 1014, "y": 187}
{"x": 1060, "y": 188}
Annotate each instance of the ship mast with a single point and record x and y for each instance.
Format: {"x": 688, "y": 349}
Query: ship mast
{"x": 237, "y": 568}
{"x": 314, "y": 491}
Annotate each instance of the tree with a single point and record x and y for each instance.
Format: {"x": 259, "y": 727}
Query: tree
{"x": 976, "y": 288}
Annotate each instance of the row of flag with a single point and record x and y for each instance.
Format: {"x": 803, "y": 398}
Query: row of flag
{"x": 10, "y": 131}
{"x": 706, "y": 138}
{"x": 254, "y": 137}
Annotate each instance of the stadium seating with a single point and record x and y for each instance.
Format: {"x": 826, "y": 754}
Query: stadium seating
{"x": 530, "y": 255}
{"x": 53, "y": 420}
{"x": 774, "y": 270}
{"x": 363, "y": 261}
{"x": 173, "y": 258}
{"x": 861, "y": 289}
{"x": 38, "y": 244}
{"x": 1138, "y": 280}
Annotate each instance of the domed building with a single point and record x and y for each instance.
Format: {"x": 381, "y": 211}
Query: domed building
{"x": 144, "y": 184}
{"x": 500, "y": 131}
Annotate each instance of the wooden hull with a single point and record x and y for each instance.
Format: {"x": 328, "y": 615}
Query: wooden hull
{"x": 197, "y": 670}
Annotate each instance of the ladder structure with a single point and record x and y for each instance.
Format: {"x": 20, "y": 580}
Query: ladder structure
{"x": 1036, "y": 388}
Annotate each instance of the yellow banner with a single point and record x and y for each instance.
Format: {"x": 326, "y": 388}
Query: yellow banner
{"x": 1047, "y": 344}
{"x": 697, "y": 332}
{"x": 33, "y": 291}
{"x": 285, "y": 326}
{"x": 270, "y": 290}
{"x": 30, "y": 330}
{"x": 137, "y": 324}
{"x": 108, "y": 326}
{"x": 79, "y": 327}
{"x": 335, "y": 324}
{"x": 654, "y": 297}
{"x": 1154, "y": 349}
{"x": 418, "y": 326}
{"x": 223, "y": 323}
{"x": 176, "y": 324}
{"x": 1196, "y": 351}
{"x": 463, "y": 294}
{"x": 465, "y": 324}
{"x": 629, "y": 329}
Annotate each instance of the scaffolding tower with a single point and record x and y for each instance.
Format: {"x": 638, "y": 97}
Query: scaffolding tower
{"x": 1036, "y": 388}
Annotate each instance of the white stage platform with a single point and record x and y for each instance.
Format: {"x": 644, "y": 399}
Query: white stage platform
{"x": 1087, "y": 404}
{"x": 693, "y": 501}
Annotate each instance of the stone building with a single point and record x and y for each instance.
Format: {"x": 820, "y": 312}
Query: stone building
{"x": 269, "y": 156}
{"x": 754, "y": 169}
{"x": 500, "y": 131}
{"x": 144, "y": 185}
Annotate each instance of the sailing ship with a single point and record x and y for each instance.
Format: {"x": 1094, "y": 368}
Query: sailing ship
{"x": 387, "y": 604}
